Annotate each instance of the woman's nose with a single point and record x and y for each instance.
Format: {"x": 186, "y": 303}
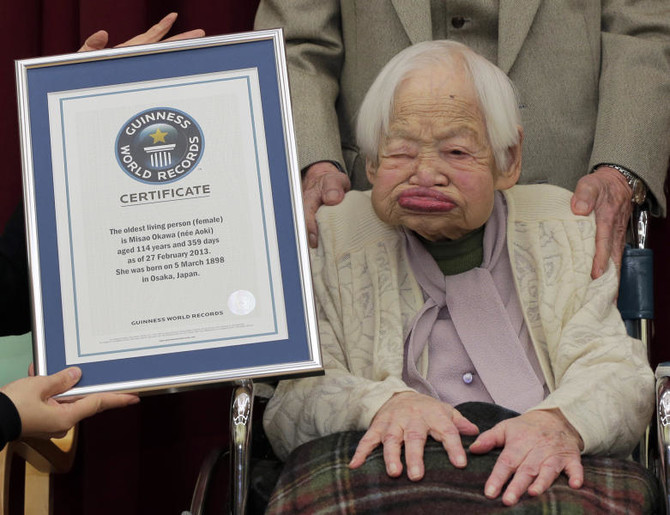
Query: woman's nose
{"x": 428, "y": 173}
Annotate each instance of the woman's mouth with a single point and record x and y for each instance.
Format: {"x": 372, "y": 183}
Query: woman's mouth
{"x": 425, "y": 199}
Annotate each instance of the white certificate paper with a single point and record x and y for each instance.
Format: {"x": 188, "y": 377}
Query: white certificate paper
{"x": 165, "y": 223}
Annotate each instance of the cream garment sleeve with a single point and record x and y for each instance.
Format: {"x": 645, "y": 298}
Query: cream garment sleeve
{"x": 604, "y": 385}
{"x": 361, "y": 372}
{"x": 599, "y": 377}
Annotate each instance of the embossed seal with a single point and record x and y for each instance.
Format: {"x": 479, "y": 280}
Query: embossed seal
{"x": 241, "y": 302}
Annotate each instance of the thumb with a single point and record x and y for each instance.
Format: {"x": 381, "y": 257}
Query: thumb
{"x": 333, "y": 188}
{"x": 61, "y": 381}
{"x": 488, "y": 440}
{"x": 584, "y": 198}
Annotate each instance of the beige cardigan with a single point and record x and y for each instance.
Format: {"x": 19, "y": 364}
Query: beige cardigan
{"x": 366, "y": 296}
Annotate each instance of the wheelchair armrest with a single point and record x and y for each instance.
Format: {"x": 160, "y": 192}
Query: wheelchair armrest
{"x": 663, "y": 425}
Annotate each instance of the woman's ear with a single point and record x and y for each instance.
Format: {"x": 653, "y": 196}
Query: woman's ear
{"x": 509, "y": 177}
{"x": 370, "y": 170}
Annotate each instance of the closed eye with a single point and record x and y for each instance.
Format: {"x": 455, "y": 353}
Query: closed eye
{"x": 398, "y": 155}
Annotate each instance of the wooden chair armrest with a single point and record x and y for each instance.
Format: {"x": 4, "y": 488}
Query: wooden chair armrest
{"x": 49, "y": 456}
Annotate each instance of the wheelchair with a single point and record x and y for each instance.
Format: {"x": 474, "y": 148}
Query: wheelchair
{"x": 636, "y": 305}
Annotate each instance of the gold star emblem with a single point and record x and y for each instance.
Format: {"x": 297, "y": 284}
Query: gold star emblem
{"x": 158, "y": 136}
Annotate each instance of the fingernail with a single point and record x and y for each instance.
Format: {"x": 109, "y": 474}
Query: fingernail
{"x": 414, "y": 473}
{"x": 460, "y": 461}
{"x": 509, "y": 498}
{"x": 581, "y": 206}
{"x": 312, "y": 240}
{"x": 490, "y": 491}
{"x": 74, "y": 373}
{"x": 332, "y": 196}
{"x": 393, "y": 469}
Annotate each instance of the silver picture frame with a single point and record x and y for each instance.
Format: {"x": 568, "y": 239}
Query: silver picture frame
{"x": 164, "y": 219}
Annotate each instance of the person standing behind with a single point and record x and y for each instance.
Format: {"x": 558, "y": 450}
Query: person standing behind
{"x": 592, "y": 77}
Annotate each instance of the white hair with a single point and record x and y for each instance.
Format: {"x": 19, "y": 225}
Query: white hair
{"x": 495, "y": 92}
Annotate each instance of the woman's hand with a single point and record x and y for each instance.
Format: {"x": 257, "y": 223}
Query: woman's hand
{"x": 98, "y": 40}
{"x": 407, "y": 419}
{"x": 537, "y": 447}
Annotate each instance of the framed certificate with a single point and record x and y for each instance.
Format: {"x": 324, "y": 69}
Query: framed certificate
{"x": 166, "y": 239}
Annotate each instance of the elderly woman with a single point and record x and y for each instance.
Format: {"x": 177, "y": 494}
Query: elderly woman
{"x": 449, "y": 298}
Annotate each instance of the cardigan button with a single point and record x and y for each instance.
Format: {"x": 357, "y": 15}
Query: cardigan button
{"x": 468, "y": 377}
{"x": 457, "y": 22}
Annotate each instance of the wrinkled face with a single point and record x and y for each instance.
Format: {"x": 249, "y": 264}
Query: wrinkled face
{"x": 436, "y": 172}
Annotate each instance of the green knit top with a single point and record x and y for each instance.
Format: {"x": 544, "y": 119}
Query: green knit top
{"x": 457, "y": 256}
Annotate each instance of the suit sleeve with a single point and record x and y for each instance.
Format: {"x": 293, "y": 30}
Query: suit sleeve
{"x": 10, "y": 422}
{"x": 633, "y": 124}
{"x": 14, "y": 286}
{"x": 315, "y": 54}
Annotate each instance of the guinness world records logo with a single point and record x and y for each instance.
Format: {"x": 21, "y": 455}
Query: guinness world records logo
{"x": 159, "y": 145}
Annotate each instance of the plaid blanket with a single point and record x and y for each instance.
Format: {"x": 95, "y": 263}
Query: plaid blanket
{"x": 316, "y": 479}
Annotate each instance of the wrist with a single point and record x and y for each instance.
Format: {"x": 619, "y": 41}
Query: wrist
{"x": 638, "y": 188}
{"x": 323, "y": 165}
{"x": 569, "y": 429}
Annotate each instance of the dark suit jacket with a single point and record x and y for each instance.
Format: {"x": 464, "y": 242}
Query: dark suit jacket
{"x": 14, "y": 287}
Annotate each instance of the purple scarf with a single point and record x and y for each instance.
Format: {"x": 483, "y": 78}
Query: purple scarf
{"x": 479, "y": 347}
